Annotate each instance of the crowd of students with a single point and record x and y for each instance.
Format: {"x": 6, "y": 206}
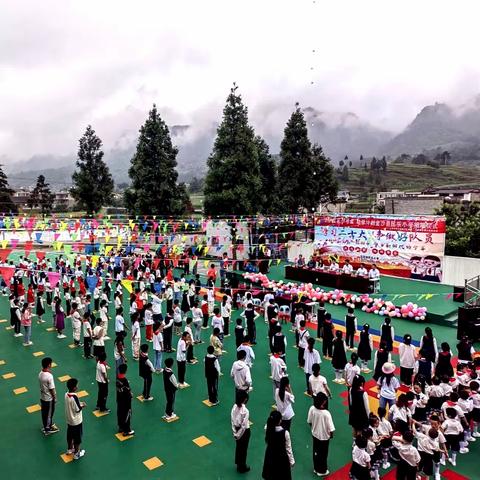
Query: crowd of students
{"x": 438, "y": 409}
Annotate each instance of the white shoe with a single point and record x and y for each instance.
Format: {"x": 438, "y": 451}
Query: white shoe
{"x": 18, "y": 335}
{"x": 386, "y": 465}
{"x": 70, "y": 451}
{"x": 442, "y": 461}
{"x": 464, "y": 450}
{"x": 453, "y": 462}
{"x": 79, "y": 454}
{"x": 470, "y": 439}
{"x": 476, "y": 434}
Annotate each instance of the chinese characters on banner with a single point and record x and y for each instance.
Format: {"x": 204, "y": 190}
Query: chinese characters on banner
{"x": 404, "y": 246}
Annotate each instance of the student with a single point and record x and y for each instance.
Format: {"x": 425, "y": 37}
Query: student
{"x": 322, "y": 427}
{"x": 177, "y": 318}
{"x": 387, "y": 334}
{"x": 216, "y": 343}
{"x": 119, "y": 321}
{"x": 351, "y": 370}
{"x": 240, "y": 373}
{"x": 182, "y": 348}
{"x": 197, "y": 323}
{"x": 204, "y": 308}
{"x": 360, "y": 469}
{"x": 48, "y": 397}
{"x": 475, "y": 398}
{"x": 328, "y": 329}
{"x": 444, "y": 361}
{"x": 226, "y": 312}
{"x": 170, "y": 386}
{"x": 87, "y": 336}
{"x": 388, "y": 385}
{"x": 249, "y": 351}
{"x": 382, "y": 356}
{"x": 241, "y": 430}
{"x": 428, "y": 447}
{"x": 320, "y": 319}
{"x": 359, "y": 409}
{"x": 278, "y": 369}
{"x": 40, "y": 307}
{"x": 409, "y": 457}
{"x": 136, "y": 340}
{"x": 98, "y": 338}
{"x": 102, "y": 382}
{"x": 303, "y": 336}
{"x": 407, "y": 354}
{"x": 158, "y": 346}
{"x": 365, "y": 348}
{"x": 124, "y": 402}
{"x": 59, "y": 318}
{"x": 311, "y": 357}
{"x": 26, "y": 322}
{"x": 465, "y": 350}
{"x": 76, "y": 324}
{"x": 74, "y": 418}
{"x": 428, "y": 346}
{"x": 318, "y": 383}
{"x": 239, "y": 332}
{"x": 284, "y": 400}
{"x": 278, "y": 460}
{"x": 212, "y": 372}
{"x": 250, "y": 316}
{"x": 351, "y": 328}
{"x": 278, "y": 342}
{"x": 167, "y": 332}
{"x": 145, "y": 370}
{"x": 148, "y": 316}
{"x": 119, "y": 350}
{"x": 339, "y": 357}
{"x": 452, "y": 429}
{"x": 218, "y": 322}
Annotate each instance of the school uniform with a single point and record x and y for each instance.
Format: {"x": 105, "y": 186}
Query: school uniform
{"x": 327, "y": 346}
{"x": 250, "y": 315}
{"x": 239, "y": 335}
{"x": 350, "y": 329}
{"x": 444, "y": 365}
{"x": 310, "y": 357}
{"x": 102, "y": 383}
{"x": 320, "y": 320}
{"x": 240, "y": 422}
{"x": 360, "y": 460}
{"x": 409, "y": 460}
{"x": 181, "y": 360}
{"x": 124, "y": 404}
{"x": 279, "y": 344}
{"x": 453, "y": 430}
{"x": 212, "y": 371}
{"x": 339, "y": 357}
{"x": 364, "y": 350}
{"x": 322, "y": 428}
{"x": 170, "y": 386}
{"x": 87, "y": 338}
{"x": 387, "y": 336}
{"x": 145, "y": 369}
{"x": 428, "y": 348}
{"x": 407, "y": 354}
{"x": 74, "y": 418}
{"x": 381, "y": 357}
{"x": 303, "y": 336}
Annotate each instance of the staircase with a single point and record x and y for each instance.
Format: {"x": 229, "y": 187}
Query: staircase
{"x": 472, "y": 292}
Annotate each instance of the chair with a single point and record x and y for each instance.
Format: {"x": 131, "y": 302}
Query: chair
{"x": 284, "y": 313}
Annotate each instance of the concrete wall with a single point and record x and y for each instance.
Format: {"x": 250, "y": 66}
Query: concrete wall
{"x": 413, "y": 205}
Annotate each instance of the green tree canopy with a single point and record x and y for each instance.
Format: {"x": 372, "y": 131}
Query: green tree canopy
{"x": 41, "y": 196}
{"x": 92, "y": 181}
{"x": 306, "y": 177}
{"x": 268, "y": 176}
{"x": 233, "y": 184}
{"x": 154, "y": 189}
{"x": 6, "y": 202}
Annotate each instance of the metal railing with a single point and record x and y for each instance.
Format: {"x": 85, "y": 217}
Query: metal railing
{"x": 472, "y": 292}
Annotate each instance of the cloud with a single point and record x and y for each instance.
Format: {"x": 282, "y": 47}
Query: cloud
{"x": 65, "y": 64}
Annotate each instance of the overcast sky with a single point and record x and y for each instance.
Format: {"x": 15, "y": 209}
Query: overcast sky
{"x": 67, "y": 63}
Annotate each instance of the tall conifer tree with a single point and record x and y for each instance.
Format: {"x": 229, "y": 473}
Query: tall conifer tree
{"x": 233, "y": 184}
{"x": 6, "y": 202}
{"x": 154, "y": 188}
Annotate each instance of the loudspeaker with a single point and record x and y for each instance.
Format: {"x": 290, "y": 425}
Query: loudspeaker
{"x": 469, "y": 323}
{"x": 459, "y": 294}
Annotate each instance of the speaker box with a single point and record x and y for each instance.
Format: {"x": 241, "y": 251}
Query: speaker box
{"x": 459, "y": 294}
{"x": 469, "y": 323}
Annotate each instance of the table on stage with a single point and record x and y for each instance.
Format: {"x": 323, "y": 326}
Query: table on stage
{"x": 329, "y": 279}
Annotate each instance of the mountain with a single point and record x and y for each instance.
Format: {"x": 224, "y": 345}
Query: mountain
{"x": 342, "y": 134}
{"x": 438, "y": 128}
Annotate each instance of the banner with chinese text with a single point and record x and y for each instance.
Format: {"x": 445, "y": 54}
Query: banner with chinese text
{"x": 404, "y": 246}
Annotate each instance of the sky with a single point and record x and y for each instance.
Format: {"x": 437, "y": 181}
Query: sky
{"x": 65, "y": 64}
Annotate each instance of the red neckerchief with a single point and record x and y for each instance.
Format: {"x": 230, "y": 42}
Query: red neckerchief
{"x": 452, "y": 404}
{"x": 45, "y": 370}
{"x": 71, "y": 394}
{"x": 276, "y": 355}
{"x": 121, "y": 375}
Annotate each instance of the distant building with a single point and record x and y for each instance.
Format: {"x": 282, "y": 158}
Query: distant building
{"x": 413, "y": 205}
{"x": 63, "y": 200}
{"x": 455, "y": 195}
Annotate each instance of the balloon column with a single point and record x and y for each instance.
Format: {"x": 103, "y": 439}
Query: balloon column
{"x": 368, "y": 304}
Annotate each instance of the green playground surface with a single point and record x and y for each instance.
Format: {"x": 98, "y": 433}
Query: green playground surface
{"x": 27, "y": 454}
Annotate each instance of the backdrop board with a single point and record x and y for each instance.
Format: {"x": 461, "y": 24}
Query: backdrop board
{"x": 403, "y": 246}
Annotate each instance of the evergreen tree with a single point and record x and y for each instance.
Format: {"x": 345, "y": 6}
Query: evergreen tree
{"x": 92, "y": 182}
{"x": 268, "y": 176}
{"x": 154, "y": 188}
{"x": 6, "y": 202}
{"x": 41, "y": 196}
{"x": 233, "y": 184}
{"x": 305, "y": 177}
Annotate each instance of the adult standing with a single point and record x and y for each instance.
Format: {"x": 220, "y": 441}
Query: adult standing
{"x": 388, "y": 385}
{"x": 407, "y": 354}
{"x": 124, "y": 401}
{"x": 279, "y": 459}
{"x": 48, "y": 397}
{"x": 387, "y": 334}
{"x": 322, "y": 427}
{"x": 311, "y": 357}
{"x": 241, "y": 430}
{"x": 428, "y": 346}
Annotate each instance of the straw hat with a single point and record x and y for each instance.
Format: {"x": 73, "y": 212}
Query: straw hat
{"x": 388, "y": 368}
